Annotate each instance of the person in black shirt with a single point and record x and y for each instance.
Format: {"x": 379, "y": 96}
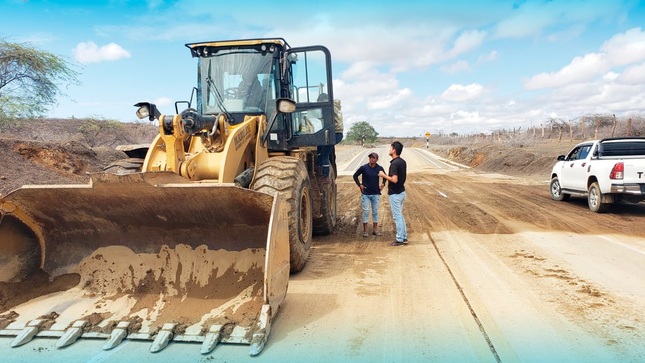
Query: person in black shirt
{"x": 396, "y": 190}
{"x": 370, "y": 191}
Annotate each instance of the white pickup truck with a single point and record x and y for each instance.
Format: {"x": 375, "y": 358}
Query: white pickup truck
{"x": 606, "y": 171}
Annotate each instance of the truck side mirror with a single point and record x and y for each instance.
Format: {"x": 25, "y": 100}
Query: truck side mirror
{"x": 561, "y": 157}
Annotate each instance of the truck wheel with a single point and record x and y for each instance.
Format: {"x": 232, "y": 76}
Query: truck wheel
{"x": 288, "y": 176}
{"x": 124, "y": 166}
{"x": 327, "y": 221}
{"x": 556, "y": 190}
{"x": 594, "y": 198}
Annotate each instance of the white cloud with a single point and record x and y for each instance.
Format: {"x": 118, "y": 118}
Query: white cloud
{"x": 464, "y": 115}
{"x": 488, "y": 57}
{"x": 610, "y": 76}
{"x": 163, "y": 101}
{"x": 625, "y": 48}
{"x": 580, "y": 69}
{"x": 467, "y": 41}
{"x": 460, "y": 93}
{"x": 622, "y": 49}
{"x": 632, "y": 75}
{"x": 89, "y": 52}
{"x": 362, "y": 81}
{"x": 389, "y": 100}
{"x": 456, "y": 67}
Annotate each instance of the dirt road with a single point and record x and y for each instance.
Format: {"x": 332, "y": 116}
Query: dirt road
{"x": 495, "y": 271}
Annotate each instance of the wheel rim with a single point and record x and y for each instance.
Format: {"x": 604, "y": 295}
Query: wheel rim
{"x": 593, "y": 197}
{"x": 555, "y": 189}
{"x": 305, "y": 212}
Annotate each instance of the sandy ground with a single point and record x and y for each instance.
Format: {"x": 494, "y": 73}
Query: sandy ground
{"x": 495, "y": 271}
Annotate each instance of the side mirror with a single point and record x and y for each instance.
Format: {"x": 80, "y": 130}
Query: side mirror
{"x": 561, "y": 157}
{"x": 282, "y": 105}
{"x": 285, "y": 105}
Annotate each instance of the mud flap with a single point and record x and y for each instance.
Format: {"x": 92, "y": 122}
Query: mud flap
{"x": 142, "y": 256}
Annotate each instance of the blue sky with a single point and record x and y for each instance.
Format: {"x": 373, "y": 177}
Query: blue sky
{"x": 405, "y": 67}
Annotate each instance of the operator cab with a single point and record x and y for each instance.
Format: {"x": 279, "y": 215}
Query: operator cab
{"x": 245, "y": 78}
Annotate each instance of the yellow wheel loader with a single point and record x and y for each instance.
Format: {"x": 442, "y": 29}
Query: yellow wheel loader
{"x": 192, "y": 238}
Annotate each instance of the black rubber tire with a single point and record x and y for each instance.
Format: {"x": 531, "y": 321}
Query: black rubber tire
{"x": 124, "y": 166}
{"x": 325, "y": 224}
{"x": 556, "y": 190}
{"x": 594, "y": 199}
{"x": 288, "y": 176}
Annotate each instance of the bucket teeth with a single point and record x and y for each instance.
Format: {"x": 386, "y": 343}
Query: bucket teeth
{"x": 211, "y": 339}
{"x": 28, "y": 333}
{"x": 72, "y": 334}
{"x": 163, "y": 337}
{"x": 262, "y": 332}
{"x": 118, "y": 334}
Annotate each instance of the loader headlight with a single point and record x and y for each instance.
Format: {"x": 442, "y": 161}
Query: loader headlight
{"x": 143, "y": 112}
{"x": 146, "y": 109}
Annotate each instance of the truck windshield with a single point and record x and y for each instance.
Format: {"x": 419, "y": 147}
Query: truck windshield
{"x": 238, "y": 80}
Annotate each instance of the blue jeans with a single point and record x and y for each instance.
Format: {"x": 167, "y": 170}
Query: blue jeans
{"x": 396, "y": 202}
{"x": 366, "y": 201}
{"x": 323, "y": 154}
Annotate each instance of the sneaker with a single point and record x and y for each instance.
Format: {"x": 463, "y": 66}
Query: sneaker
{"x": 365, "y": 234}
{"x": 377, "y": 233}
{"x": 405, "y": 240}
{"x": 397, "y": 243}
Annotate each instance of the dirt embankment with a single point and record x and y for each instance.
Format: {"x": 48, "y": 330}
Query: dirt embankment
{"x": 532, "y": 160}
{"x": 53, "y": 151}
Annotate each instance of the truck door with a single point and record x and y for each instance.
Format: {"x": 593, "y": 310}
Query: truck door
{"x": 574, "y": 171}
{"x": 310, "y": 81}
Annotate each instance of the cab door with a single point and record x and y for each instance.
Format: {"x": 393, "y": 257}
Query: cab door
{"x": 574, "y": 170}
{"x": 309, "y": 76}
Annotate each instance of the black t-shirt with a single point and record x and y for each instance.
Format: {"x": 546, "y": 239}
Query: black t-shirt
{"x": 397, "y": 167}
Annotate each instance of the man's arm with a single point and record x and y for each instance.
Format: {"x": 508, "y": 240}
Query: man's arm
{"x": 356, "y": 174}
{"x": 384, "y": 180}
{"x": 392, "y": 179}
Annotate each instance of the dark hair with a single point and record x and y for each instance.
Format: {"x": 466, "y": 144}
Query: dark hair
{"x": 398, "y": 147}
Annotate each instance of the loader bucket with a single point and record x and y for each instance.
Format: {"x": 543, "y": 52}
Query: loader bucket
{"x": 142, "y": 256}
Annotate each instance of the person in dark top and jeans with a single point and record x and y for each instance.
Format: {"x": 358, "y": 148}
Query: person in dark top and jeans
{"x": 370, "y": 191}
{"x": 396, "y": 190}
